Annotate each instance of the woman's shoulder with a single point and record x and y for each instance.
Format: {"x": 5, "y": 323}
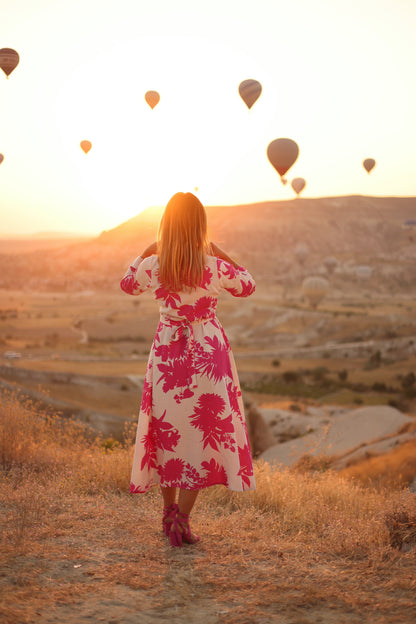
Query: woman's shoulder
{"x": 150, "y": 267}
{"x": 150, "y": 262}
{"x": 212, "y": 263}
{"x": 218, "y": 264}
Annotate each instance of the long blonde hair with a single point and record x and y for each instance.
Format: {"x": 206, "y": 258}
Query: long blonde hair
{"x": 182, "y": 242}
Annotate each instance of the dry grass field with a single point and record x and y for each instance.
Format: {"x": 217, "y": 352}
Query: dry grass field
{"x": 306, "y": 547}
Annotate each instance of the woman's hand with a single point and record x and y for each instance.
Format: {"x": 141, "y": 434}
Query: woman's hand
{"x": 149, "y": 251}
{"x": 219, "y": 253}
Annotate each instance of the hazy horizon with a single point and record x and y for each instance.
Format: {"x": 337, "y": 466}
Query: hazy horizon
{"x": 53, "y": 233}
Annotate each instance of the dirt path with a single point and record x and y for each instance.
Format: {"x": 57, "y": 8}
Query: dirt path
{"x": 105, "y": 559}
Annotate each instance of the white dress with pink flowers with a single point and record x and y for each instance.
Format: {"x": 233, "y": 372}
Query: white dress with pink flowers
{"x": 191, "y": 431}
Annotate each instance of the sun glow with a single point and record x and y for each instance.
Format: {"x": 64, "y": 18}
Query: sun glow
{"x": 85, "y": 79}
{"x": 191, "y": 140}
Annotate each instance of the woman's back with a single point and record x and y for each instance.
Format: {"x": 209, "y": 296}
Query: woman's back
{"x": 190, "y": 304}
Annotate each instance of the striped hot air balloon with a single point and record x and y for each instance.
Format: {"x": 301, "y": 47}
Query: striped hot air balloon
{"x": 9, "y": 59}
{"x": 152, "y": 98}
{"x": 315, "y": 289}
{"x": 250, "y": 91}
{"x": 369, "y": 164}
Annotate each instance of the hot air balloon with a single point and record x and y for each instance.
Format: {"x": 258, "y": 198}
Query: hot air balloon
{"x": 86, "y": 146}
{"x": 250, "y": 91}
{"x": 282, "y": 154}
{"x": 1, "y": 158}
{"x": 331, "y": 264}
{"x": 315, "y": 289}
{"x": 369, "y": 164}
{"x": 409, "y": 225}
{"x": 298, "y": 184}
{"x": 363, "y": 272}
{"x": 152, "y": 98}
{"x": 301, "y": 252}
{"x": 9, "y": 59}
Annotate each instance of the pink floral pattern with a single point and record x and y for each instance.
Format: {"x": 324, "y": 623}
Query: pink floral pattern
{"x": 191, "y": 431}
{"x": 208, "y": 417}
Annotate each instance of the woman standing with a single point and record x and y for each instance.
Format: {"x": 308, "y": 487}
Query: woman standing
{"x": 191, "y": 431}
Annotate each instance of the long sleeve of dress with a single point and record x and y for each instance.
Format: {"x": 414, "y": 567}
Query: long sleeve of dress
{"x": 137, "y": 278}
{"x": 238, "y": 282}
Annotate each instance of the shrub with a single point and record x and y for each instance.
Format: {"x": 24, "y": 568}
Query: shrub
{"x": 110, "y": 444}
{"x": 374, "y": 361}
{"x": 319, "y": 373}
{"x": 359, "y": 387}
{"x": 408, "y": 380}
{"x": 409, "y": 392}
{"x": 379, "y": 386}
{"x": 398, "y": 404}
{"x": 290, "y": 377}
{"x": 343, "y": 375}
{"x": 401, "y": 526}
{"x": 310, "y": 463}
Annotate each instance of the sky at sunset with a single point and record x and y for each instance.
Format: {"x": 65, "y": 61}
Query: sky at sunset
{"x": 337, "y": 77}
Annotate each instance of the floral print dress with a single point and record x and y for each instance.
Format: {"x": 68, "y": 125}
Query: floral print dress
{"x": 191, "y": 430}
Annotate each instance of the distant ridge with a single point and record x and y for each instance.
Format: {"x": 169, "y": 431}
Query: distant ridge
{"x": 46, "y": 235}
{"x": 263, "y": 236}
{"x": 49, "y": 234}
{"x": 143, "y": 223}
{"x": 296, "y": 218}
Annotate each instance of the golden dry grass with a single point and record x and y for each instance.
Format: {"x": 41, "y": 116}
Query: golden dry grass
{"x": 101, "y": 397}
{"x": 55, "y": 448}
{"x": 303, "y": 548}
{"x": 395, "y": 468}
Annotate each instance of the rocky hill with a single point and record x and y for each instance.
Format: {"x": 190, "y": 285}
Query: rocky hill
{"x": 279, "y": 241}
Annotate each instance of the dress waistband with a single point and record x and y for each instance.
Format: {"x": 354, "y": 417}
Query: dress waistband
{"x": 175, "y": 322}
{"x": 185, "y": 328}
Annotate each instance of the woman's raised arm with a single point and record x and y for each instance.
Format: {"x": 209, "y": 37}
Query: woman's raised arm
{"x": 219, "y": 253}
{"x": 149, "y": 251}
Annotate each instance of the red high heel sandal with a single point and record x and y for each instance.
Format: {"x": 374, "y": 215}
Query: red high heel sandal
{"x": 180, "y": 531}
{"x": 169, "y": 514}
